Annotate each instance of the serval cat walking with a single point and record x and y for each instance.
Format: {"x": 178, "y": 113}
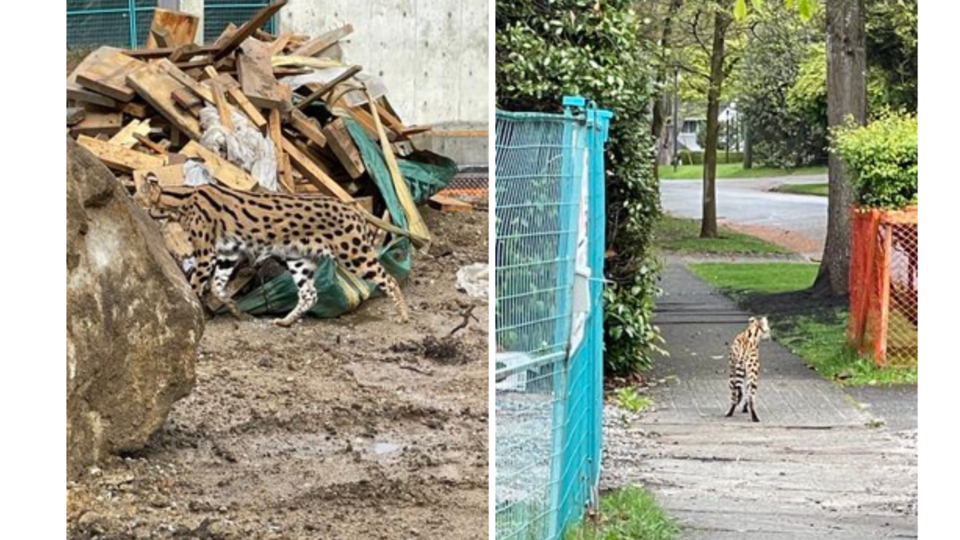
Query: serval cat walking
{"x": 745, "y": 366}
{"x": 224, "y": 224}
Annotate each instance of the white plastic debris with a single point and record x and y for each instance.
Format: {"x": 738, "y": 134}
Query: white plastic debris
{"x": 516, "y": 380}
{"x": 196, "y": 174}
{"x": 243, "y": 146}
{"x": 474, "y": 279}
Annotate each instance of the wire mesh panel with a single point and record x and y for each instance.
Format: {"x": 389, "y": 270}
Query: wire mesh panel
{"x": 547, "y": 367}
{"x": 217, "y": 14}
{"x": 91, "y": 23}
{"x": 884, "y": 271}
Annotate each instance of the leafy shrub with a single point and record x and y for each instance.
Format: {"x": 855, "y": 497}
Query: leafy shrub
{"x": 546, "y": 50}
{"x": 882, "y": 158}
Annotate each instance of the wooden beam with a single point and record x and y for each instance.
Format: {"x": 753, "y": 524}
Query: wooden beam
{"x": 119, "y": 158}
{"x": 144, "y": 140}
{"x": 278, "y": 45}
{"x": 449, "y": 204}
{"x": 108, "y": 75}
{"x": 419, "y": 233}
{"x": 256, "y": 75}
{"x": 320, "y": 43}
{"x": 353, "y": 70}
{"x": 180, "y": 28}
{"x": 221, "y": 169}
{"x": 98, "y": 123}
{"x": 156, "y": 88}
{"x": 248, "y": 28}
{"x": 308, "y": 127}
{"x": 168, "y": 67}
{"x": 126, "y": 136}
{"x": 338, "y": 137}
{"x": 285, "y": 175}
{"x": 313, "y": 173}
{"x": 166, "y": 51}
{"x": 222, "y": 108}
{"x": 248, "y": 108}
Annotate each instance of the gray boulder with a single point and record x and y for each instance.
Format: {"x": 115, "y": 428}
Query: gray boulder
{"x": 133, "y": 324}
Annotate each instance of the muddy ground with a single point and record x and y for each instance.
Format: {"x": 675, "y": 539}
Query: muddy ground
{"x": 350, "y": 428}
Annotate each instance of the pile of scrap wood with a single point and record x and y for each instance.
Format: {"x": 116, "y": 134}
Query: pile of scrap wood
{"x": 162, "y": 108}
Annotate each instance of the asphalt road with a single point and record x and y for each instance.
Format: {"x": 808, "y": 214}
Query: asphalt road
{"x": 750, "y": 202}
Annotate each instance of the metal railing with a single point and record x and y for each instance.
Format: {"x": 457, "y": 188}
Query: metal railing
{"x": 550, "y": 220}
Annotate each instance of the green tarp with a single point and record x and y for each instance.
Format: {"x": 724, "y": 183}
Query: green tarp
{"x": 338, "y": 290}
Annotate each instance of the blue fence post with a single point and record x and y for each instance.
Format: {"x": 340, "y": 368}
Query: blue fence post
{"x": 132, "y": 6}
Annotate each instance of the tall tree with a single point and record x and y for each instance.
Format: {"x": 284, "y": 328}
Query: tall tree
{"x": 846, "y": 97}
{"x": 665, "y": 62}
{"x": 718, "y": 72}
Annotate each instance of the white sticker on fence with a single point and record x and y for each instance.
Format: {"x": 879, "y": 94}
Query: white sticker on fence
{"x": 581, "y": 278}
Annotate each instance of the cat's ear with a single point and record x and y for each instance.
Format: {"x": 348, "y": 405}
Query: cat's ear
{"x": 751, "y": 320}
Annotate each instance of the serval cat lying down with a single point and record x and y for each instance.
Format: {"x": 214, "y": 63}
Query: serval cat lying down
{"x": 224, "y": 224}
{"x": 745, "y": 366}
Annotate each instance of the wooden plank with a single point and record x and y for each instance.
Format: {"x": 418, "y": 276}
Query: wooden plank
{"x": 324, "y": 159}
{"x": 156, "y": 88}
{"x": 119, "y": 158}
{"x": 144, "y": 140}
{"x": 321, "y": 43}
{"x": 419, "y": 234}
{"x": 222, "y": 108}
{"x": 286, "y": 172}
{"x": 256, "y": 75}
{"x": 449, "y": 204}
{"x": 308, "y": 127}
{"x": 188, "y": 100}
{"x": 365, "y": 120}
{"x": 304, "y": 61}
{"x": 248, "y": 28}
{"x": 238, "y": 281}
{"x": 221, "y": 169}
{"x": 98, "y": 123}
{"x": 248, "y": 108}
{"x": 136, "y": 109}
{"x": 168, "y": 67}
{"x": 319, "y": 92}
{"x": 75, "y": 115}
{"x": 183, "y": 52}
{"x": 313, "y": 173}
{"x": 344, "y": 148}
{"x": 125, "y": 137}
{"x": 108, "y": 76}
{"x": 167, "y": 176}
{"x": 280, "y": 43}
{"x": 164, "y": 52}
{"x": 366, "y": 203}
{"x": 179, "y": 28}
{"x": 76, "y": 92}
{"x": 275, "y": 132}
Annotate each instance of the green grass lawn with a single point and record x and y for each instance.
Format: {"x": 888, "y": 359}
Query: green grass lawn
{"x": 805, "y": 189}
{"x": 683, "y": 235}
{"x": 818, "y": 335}
{"x": 734, "y": 170}
{"x": 628, "y": 514}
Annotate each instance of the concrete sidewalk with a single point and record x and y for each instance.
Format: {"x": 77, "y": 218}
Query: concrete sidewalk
{"x": 813, "y": 467}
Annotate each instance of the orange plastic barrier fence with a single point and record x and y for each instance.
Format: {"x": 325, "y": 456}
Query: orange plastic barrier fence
{"x": 884, "y": 262}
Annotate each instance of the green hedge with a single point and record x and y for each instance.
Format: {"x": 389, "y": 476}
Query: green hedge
{"x": 882, "y": 159}
{"x": 689, "y": 157}
{"x": 593, "y": 48}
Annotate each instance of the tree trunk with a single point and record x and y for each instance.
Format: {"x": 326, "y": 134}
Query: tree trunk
{"x": 846, "y": 96}
{"x": 747, "y": 147}
{"x": 659, "y": 105}
{"x": 708, "y": 225}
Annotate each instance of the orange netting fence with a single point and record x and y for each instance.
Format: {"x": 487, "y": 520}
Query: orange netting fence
{"x": 883, "y": 284}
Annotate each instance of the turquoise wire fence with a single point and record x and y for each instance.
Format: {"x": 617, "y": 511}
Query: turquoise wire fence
{"x": 550, "y": 220}
{"x": 126, "y": 23}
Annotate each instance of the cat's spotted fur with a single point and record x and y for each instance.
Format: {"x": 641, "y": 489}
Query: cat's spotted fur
{"x": 224, "y": 224}
{"x": 744, "y": 359}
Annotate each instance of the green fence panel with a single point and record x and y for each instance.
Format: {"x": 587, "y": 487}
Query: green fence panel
{"x": 217, "y": 14}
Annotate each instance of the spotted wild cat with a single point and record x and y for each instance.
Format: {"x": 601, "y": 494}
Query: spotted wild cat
{"x": 223, "y": 224}
{"x": 744, "y": 359}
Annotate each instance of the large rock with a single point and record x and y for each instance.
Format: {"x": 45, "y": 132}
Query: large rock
{"x": 133, "y": 323}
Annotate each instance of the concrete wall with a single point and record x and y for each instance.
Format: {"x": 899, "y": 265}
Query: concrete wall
{"x": 432, "y": 54}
